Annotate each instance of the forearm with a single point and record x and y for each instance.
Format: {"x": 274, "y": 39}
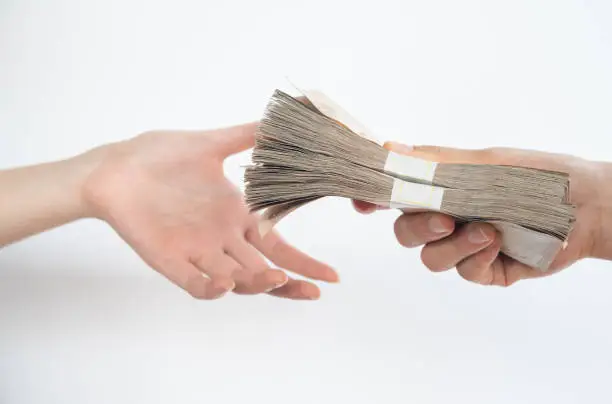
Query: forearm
{"x": 38, "y": 198}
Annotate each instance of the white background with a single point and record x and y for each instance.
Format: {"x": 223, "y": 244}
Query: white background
{"x": 82, "y": 320}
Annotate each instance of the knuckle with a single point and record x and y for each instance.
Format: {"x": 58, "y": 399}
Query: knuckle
{"x": 251, "y": 233}
{"x": 474, "y": 236}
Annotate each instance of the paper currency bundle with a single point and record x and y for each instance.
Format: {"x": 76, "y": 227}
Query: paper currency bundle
{"x": 302, "y": 155}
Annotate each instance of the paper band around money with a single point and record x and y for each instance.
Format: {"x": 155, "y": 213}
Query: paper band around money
{"x": 410, "y": 167}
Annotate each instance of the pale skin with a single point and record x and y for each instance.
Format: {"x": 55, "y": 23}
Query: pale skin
{"x": 165, "y": 194}
{"x": 473, "y": 250}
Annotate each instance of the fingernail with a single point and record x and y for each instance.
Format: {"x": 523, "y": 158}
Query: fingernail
{"x": 399, "y": 147}
{"x": 222, "y": 291}
{"x": 226, "y": 285}
{"x": 316, "y": 296}
{"x": 437, "y": 226}
{"x": 277, "y": 285}
{"x": 477, "y": 236}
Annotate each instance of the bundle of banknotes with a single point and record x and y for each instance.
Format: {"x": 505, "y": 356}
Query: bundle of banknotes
{"x": 309, "y": 148}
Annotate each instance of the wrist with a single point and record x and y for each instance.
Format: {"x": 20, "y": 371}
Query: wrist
{"x": 83, "y": 168}
{"x": 599, "y": 199}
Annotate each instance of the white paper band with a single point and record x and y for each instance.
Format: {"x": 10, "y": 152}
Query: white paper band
{"x": 410, "y": 167}
{"x": 411, "y": 195}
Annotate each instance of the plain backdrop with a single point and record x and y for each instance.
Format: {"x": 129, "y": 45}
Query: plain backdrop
{"x": 83, "y": 320}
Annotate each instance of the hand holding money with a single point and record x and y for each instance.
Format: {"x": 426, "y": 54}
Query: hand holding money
{"x": 303, "y": 154}
{"x": 474, "y": 249}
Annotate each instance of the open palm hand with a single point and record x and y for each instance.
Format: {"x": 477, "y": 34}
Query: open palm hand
{"x": 166, "y": 195}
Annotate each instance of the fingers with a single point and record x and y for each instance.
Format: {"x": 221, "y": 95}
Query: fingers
{"x": 412, "y": 230}
{"x": 288, "y": 257}
{"x": 366, "y": 208}
{"x": 235, "y": 139}
{"x": 446, "y": 253}
{"x": 444, "y": 154}
{"x": 297, "y": 290}
{"x": 453, "y": 155}
{"x": 255, "y": 276}
{"x": 242, "y": 262}
{"x": 224, "y": 266}
{"x": 513, "y": 271}
{"x": 187, "y": 276}
{"x": 491, "y": 155}
{"x": 489, "y": 267}
{"x": 474, "y": 249}
{"x": 247, "y": 280}
{"x": 479, "y": 268}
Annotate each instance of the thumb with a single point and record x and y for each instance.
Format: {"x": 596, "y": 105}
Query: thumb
{"x": 443, "y": 154}
{"x": 235, "y": 139}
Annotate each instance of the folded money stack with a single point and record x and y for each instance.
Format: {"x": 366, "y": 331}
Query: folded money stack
{"x": 302, "y": 154}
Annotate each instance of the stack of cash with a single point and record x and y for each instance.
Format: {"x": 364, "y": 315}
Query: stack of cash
{"x": 302, "y": 154}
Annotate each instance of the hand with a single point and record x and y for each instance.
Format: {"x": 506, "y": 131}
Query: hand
{"x": 474, "y": 249}
{"x": 166, "y": 195}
